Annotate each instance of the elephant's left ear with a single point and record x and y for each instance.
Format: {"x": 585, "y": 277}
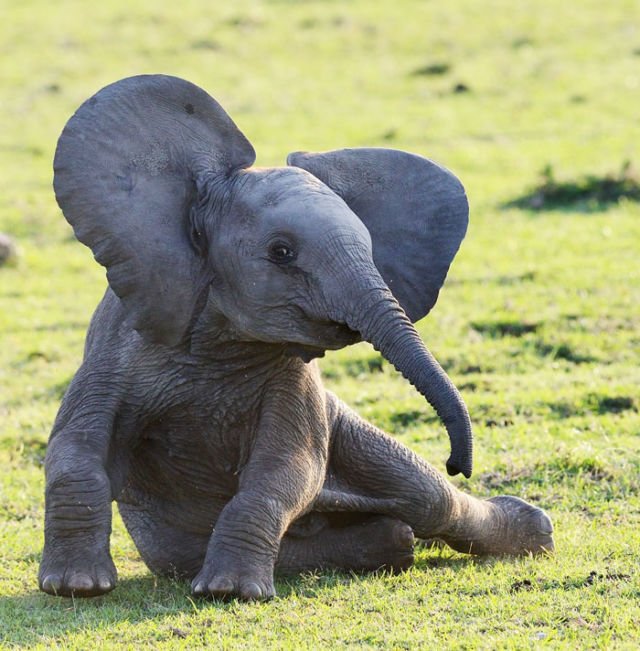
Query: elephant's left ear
{"x": 416, "y": 211}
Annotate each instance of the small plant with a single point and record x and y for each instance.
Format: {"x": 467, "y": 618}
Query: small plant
{"x": 432, "y": 69}
{"x": 588, "y": 192}
{"x": 505, "y": 328}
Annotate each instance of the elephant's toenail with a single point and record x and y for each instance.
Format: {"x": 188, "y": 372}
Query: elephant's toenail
{"x": 105, "y": 583}
{"x": 52, "y": 584}
{"x": 252, "y": 592}
{"x": 80, "y": 582}
{"x": 404, "y": 536}
{"x": 221, "y": 586}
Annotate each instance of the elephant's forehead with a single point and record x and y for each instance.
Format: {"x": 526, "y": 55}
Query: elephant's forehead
{"x": 275, "y": 185}
{"x": 318, "y": 214}
{"x": 287, "y": 195}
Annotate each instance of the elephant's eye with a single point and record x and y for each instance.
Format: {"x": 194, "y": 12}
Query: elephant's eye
{"x": 281, "y": 253}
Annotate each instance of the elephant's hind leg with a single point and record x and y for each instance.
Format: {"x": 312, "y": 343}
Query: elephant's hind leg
{"x": 350, "y": 541}
{"x": 358, "y": 543}
{"x": 370, "y": 464}
{"x": 363, "y": 543}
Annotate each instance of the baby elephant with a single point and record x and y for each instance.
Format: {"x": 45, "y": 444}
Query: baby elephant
{"x": 198, "y": 407}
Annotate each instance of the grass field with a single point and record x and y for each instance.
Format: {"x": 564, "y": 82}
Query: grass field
{"x": 538, "y": 324}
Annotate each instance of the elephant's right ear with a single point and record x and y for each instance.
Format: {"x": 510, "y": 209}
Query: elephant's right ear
{"x": 415, "y": 210}
{"x": 126, "y": 172}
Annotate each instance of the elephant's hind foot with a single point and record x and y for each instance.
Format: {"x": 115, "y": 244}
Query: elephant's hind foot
{"x": 393, "y": 549}
{"x": 85, "y": 574}
{"x": 510, "y": 526}
{"x": 351, "y": 542}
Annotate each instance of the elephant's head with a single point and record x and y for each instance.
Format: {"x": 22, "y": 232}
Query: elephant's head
{"x": 351, "y": 244}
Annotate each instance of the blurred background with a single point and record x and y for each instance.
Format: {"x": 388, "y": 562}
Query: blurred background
{"x": 532, "y": 104}
{"x": 494, "y": 88}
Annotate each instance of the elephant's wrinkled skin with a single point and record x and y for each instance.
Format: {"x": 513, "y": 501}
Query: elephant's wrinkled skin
{"x": 198, "y": 407}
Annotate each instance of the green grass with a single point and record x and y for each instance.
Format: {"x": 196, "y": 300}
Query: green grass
{"x": 538, "y": 323}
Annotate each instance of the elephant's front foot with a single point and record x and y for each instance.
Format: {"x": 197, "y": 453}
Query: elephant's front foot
{"x": 509, "y": 526}
{"x": 72, "y": 573}
{"x": 230, "y": 580}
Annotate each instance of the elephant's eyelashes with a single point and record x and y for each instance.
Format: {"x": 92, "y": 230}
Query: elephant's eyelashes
{"x": 281, "y": 253}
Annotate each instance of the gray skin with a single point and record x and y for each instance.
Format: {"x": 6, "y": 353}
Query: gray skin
{"x": 198, "y": 407}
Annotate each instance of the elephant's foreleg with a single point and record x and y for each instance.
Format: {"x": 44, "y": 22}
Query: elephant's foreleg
{"x": 280, "y": 480}
{"x": 373, "y": 469}
{"x": 76, "y": 559}
{"x": 78, "y": 495}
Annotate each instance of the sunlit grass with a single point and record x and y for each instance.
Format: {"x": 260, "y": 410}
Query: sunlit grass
{"x": 538, "y": 324}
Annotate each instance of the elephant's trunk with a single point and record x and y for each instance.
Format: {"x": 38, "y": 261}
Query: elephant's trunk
{"x": 383, "y": 323}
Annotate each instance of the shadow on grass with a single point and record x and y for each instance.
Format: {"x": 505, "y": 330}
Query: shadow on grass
{"x": 509, "y": 279}
{"x": 505, "y": 328}
{"x": 588, "y": 193}
{"x": 36, "y": 618}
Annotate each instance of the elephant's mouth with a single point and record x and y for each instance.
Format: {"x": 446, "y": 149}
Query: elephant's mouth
{"x": 329, "y": 335}
{"x": 305, "y": 353}
{"x": 340, "y": 335}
